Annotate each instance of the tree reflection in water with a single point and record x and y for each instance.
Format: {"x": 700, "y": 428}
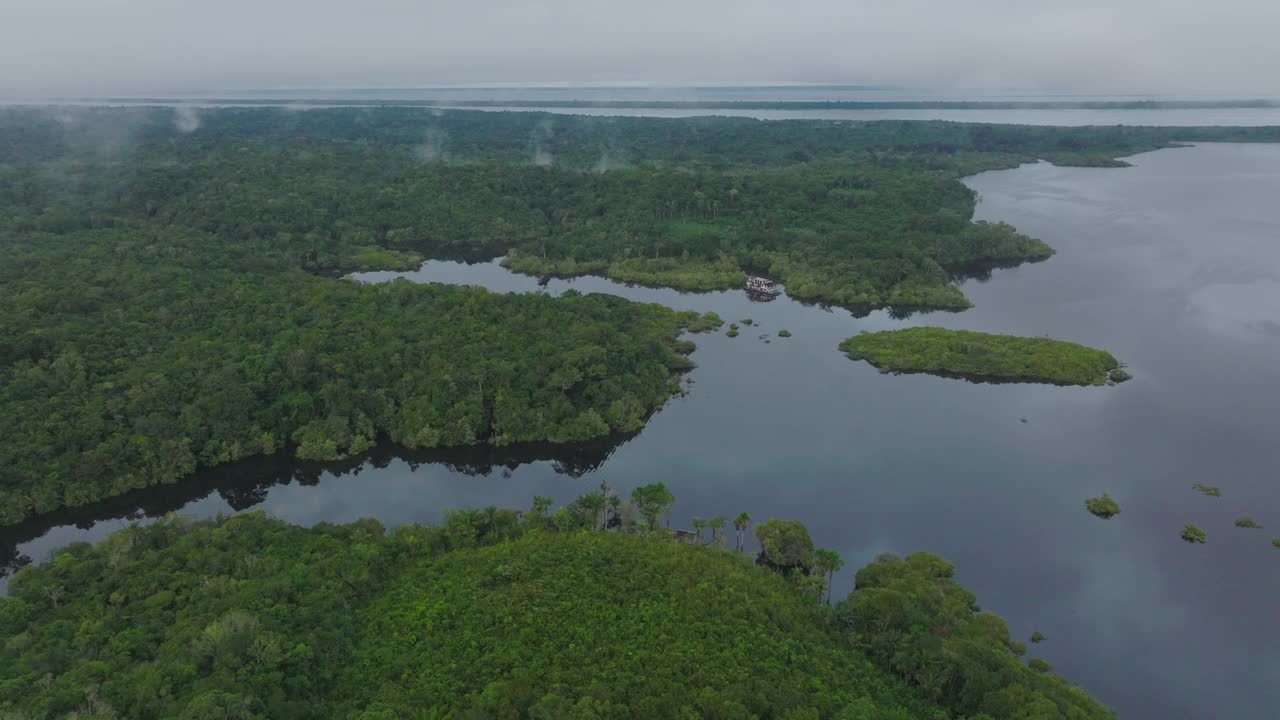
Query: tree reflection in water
{"x": 247, "y": 483}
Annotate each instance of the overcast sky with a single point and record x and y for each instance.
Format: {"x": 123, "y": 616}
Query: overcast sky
{"x": 102, "y": 47}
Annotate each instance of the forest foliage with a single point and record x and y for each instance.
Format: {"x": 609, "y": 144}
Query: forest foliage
{"x": 133, "y": 357}
{"x": 498, "y": 613}
{"x": 855, "y": 214}
{"x": 984, "y": 356}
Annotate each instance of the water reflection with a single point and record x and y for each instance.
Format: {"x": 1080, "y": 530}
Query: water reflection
{"x": 982, "y": 270}
{"x": 245, "y": 484}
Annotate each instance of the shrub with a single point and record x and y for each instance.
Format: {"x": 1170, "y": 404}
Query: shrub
{"x": 1103, "y": 507}
{"x": 1116, "y": 376}
{"x": 709, "y": 321}
{"x": 1193, "y": 534}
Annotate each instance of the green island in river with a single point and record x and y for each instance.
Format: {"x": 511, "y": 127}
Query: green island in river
{"x": 984, "y": 357}
{"x": 496, "y": 613}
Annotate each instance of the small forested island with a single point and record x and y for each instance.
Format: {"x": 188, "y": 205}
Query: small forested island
{"x": 1210, "y": 490}
{"x": 1193, "y": 534}
{"x": 1103, "y": 506}
{"x": 498, "y": 613}
{"x": 983, "y": 357}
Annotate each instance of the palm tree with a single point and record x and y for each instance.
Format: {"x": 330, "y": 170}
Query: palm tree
{"x": 462, "y": 526}
{"x": 592, "y": 503}
{"x": 827, "y": 563}
{"x": 716, "y": 524}
{"x": 541, "y": 503}
{"x": 615, "y": 507}
{"x": 740, "y": 525}
{"x": 611, "y": 500}
{"x": 698, "y": 525}
{"x": 814, "y": 583}
{"x": 488, "y": 519}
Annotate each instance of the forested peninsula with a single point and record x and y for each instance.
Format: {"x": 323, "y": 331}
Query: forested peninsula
{"x": 985, "y": 357}
{"x": 590, "y": 610}
{"x": 170, "y": 279}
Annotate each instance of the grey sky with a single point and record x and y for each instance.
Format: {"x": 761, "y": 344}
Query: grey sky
{"x": 58, "y": 47}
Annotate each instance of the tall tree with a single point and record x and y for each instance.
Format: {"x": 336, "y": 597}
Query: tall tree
{"x": 541, "y": 503}
{"x": 592, "y": 504}
{"x": 827, "y": 563}
{"x": 785, "y": 546}
{"x": 699, "y": 525}
{"x": 740, "y": 525}
{"x": 612, "y": 501}
{"x": 717, "y": 525}
{"x": 653, "y": 501}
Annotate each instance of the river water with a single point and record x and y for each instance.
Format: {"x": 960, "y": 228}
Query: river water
{"x": 1060, "y": 117}
{"x": 1173, "y": 265}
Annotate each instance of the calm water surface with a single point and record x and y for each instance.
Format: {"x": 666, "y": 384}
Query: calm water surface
{"x": 1173, "y": 265}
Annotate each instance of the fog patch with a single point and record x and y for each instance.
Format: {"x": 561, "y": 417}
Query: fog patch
{"x": 103, "y": 132}
{"x": 186, "y": 119}
{"x": 538, "y": 140}
{"x": 605, "y": 163}
{"x": 432, "y": 149}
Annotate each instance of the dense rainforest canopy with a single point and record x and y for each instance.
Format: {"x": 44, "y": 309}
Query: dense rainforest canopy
{"x": 157, "y": 369}
{"x": 501, "y": 614}
{"x": 985, "y": 356}
{"x": 169, "y": 279}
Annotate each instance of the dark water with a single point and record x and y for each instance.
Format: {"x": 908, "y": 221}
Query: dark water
{"x": 1173, "y": 265}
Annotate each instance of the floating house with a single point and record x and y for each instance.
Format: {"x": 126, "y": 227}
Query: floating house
{"x": 762, "y": 289}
